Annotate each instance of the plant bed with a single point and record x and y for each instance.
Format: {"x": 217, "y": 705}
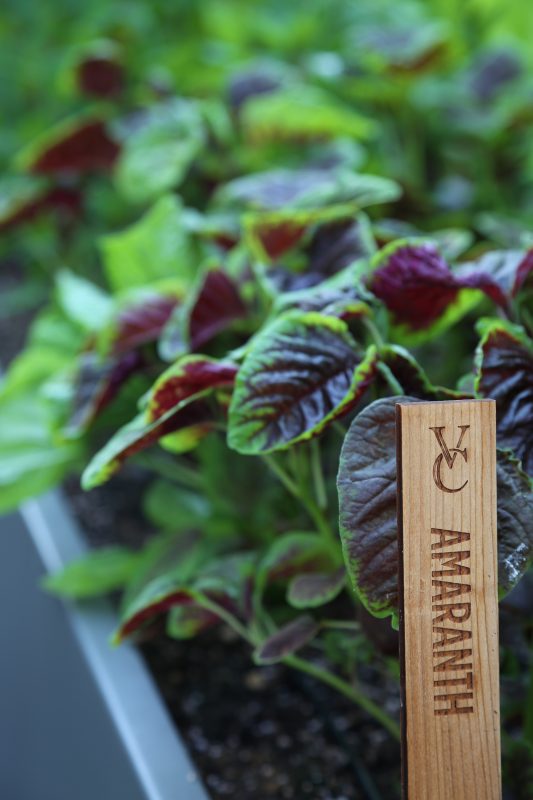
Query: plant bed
{"x": 235, "y": 270}
{"x": 87, "y": 718}
{"x": 253, "y": 733}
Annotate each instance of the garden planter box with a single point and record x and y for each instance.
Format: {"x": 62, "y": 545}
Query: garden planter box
{"x": 78, "y": 718}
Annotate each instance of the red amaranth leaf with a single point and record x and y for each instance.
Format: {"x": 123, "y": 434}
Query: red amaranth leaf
{"x": 300, "y": 374}
{"x": 175, "y": 404}
{"x": 33, "y": 199}
{"x": 499, "y": 273}
{"x": 415, "y": 283}
{"x": 505, "y": 374}
{"x": 190, "y": 376}
{"x": 287, "y": 640}
{"x": 100, "y": 76}
{"x": 367, "y": 510}
{"x": 215, "y": 306}
{"x": 97, "y": 384}
{"x": 86, "y": 147}
{"x": 142, "y": 323}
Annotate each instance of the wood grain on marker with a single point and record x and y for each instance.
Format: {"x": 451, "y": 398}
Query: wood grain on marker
{"x": 449, "y": 619}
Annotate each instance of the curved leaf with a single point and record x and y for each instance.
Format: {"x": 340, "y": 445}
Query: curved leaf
{"x": 78, "y": 145}
{"x": 299, "y": 113}
{"x": 316, "y": 588}
{"x": 366, "y": 484}
{"x": 367, "y": 503}
{"x": 173, "y": 404}
{"x": 412, "y": 378}
{"x": 97, "y": 383}
{"x": 288, "y": 555}
{"x": 156, "y": 248}
{"x": 142, "y": 322}
{"x": 99, "y": 572}
{"x": 157, "y": 154}
{"x": 311, "y": 188}
{"x": 499, "y": 273}
{"x": 505, "y": 373}
{"x": 418, "y": 287}
{"x": 286, "y": 640}
{"x": 300, "y": 373}
{"x": 214, "y": 306}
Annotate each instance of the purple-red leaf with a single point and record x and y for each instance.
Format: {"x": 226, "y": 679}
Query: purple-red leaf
{"x": 287, "y": 640}
{"x": 367, "y": 510}
{"x": 499, "y": 273}
{"x": 505, "y": 374}
{"x": 21, "y": 200}
{"x": 412, "y": 378}
{"x": 77, "y": 148}
{"x": 215, "y": 306}
{"x": 218, "y": 304}
{"x": 415, "y": 283}
{"x": 175, "y": 404}
{"x": 100, "y": 76}
{"x": 142, "y": 323}
{"x": 316, "y": 588}
{"x": 300, "y": 374}
{"x": 98, "y": 381}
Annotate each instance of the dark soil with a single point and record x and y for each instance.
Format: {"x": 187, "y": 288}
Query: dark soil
{"x": 261, "y": 733}
{"x": 254, "y": 733}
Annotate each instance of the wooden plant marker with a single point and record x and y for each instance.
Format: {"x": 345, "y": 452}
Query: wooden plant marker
{"x": 448, "y": 600}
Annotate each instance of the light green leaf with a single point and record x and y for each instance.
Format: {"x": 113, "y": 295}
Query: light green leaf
{"x": 155, "y": 249}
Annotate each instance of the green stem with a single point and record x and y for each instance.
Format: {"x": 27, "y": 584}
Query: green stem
{"x": 283, "y": 476}
{"x": 347, "y": 690}
{"x": 228, "y": 618}
{"x": 394, "y": 385}
{"x": 318, "y": 475}
{"x": 340, "y": 624}
{"x": 171, "y": 470}
{"x": 373, "y": 331}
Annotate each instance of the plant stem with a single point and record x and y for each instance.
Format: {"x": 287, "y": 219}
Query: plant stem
{"x": 318, "y": 475}
{"x": 341, "y": 624}
{"x": 347, "y": 690}
{"x": 227, "y": 617}
{"x": 373, "y": 331}
{"x": 394, "y": 385}
{"x": 300, "y": 493}
{"x": 283, "y": 476}
{"x": 171, "y": 470}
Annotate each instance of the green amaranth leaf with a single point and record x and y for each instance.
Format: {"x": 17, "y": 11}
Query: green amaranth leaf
{"x": 82, "y": 301}
{"x": 299, "y": 374}
{"x": 300, "y": 112}
{"x": 157, "y": 155}
{"x": 97, "y": 573}
{"x": 156, "y": 248}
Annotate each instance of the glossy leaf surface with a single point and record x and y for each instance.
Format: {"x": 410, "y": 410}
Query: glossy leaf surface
{"x": 300, "y": 373}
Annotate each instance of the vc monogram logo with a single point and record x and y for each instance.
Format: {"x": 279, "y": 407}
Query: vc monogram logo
{"x": 448, "y": 454}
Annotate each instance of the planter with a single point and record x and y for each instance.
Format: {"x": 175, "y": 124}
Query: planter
{"x": 79, "y": 719}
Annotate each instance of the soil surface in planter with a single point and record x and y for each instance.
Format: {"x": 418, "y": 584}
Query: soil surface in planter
{"x": 253, "y": 733}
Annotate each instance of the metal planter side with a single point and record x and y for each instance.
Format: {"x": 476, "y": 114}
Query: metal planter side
{"x": 78, "y": 719}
